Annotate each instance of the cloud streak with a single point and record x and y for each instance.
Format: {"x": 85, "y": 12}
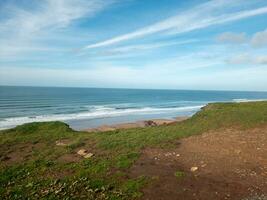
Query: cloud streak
{"x": 21, "y": 25}
{"x": 201, "y": 16}
{"x": 138, "y": 49}
{"x": 50, "y": 14}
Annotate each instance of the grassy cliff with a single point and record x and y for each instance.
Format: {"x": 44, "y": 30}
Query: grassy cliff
{"x": 34, "y": 166}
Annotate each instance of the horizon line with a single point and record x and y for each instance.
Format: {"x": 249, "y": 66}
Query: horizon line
{"x": 121, "y": 88}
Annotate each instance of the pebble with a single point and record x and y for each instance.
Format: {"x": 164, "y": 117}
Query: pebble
{"x": 193, "y": 169}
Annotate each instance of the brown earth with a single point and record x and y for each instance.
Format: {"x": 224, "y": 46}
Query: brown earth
{"x": 231, "y": 164}
{"x": 17, "y": 153}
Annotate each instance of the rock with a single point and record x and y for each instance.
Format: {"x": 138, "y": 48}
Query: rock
{"x": 60, "y": 143}
{"x": 193, "y": 169}
{"x": 89, "y": 155}
{"x": 82, "y": 152}
{"x": 177, "y": 155}
{"x": 150, "y": 123}
{"x": 168, "y": 154}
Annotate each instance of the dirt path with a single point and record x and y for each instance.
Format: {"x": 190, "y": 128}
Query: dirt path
{"x": 229, "y": 164}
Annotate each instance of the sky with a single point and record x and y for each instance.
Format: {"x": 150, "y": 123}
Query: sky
{"x": 163, "y": 44}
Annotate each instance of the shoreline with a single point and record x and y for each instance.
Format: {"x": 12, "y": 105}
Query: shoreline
{"x": 218, "y": 145}
{"x": 136, "y": 124}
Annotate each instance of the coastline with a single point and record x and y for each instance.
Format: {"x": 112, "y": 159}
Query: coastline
{"x": 137, "y": 124}
{"x": 217, "y": 145}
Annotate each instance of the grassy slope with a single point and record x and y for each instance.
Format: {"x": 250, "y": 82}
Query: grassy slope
{"x": 104, "y": 176}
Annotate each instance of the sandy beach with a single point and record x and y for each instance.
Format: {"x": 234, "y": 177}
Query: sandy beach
{"x": 137, "y": 124}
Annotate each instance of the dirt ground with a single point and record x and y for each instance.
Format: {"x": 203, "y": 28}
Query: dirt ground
{"x": 228, "y": 164}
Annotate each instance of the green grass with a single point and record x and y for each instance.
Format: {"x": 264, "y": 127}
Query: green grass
{"x": 41, "y": 175}
{"x": 179, "y": 174}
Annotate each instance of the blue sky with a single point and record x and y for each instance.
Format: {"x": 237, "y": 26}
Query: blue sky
{"x": 197, "y": 44}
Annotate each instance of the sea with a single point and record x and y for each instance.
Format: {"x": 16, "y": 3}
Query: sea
{"x": 83, "y": 108}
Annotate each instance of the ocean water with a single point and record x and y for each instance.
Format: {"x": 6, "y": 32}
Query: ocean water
{"x": 90, "y": 107}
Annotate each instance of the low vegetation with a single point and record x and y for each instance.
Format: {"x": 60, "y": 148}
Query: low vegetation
{"x": 179, "y": 174}
{"x": 33, "y": 165}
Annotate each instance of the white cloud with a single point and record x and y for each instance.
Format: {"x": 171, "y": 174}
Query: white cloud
{"x": 202, "y": 16}
{"x": 132, "y": 50}
{"x": 259, "y": 39}
{"x": 21, "y": 26}
{"x": 240, "y": 59}
{"x": 232, "y": 38}
{"x": 261, "y": 60}
{"x": 50, "y": 14}
{"x": 248, "y": 59}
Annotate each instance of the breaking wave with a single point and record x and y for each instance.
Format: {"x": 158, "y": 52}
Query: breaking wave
{"x": 96, "y": 112}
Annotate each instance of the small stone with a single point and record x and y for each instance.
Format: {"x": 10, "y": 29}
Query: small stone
{"x": 82, "y": 152}
{"x": 237, "y": 151}
{"x": 177, "y": 155}
{"x": 168, "y": 154}
{"x": 193, "y": 169}
{"x": 89, "y": 155}
{"x": 204, "y": 165}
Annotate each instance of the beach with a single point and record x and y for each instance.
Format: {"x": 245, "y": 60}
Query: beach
{"x": 138, "y": 124}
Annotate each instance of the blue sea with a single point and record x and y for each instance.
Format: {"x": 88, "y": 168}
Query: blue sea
{"x": 91, "y": 107}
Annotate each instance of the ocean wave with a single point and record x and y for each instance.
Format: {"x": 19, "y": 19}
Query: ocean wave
{"x": 94, "y": 113}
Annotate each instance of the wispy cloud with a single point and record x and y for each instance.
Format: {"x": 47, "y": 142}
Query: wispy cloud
{"x": 49, "y": 14}
{"x": 21, "y": 25}
{"x": 149, "y": 46}
{"x": 137, "y": 49}
{"x": 202, "y": 16}
{"x": 232, "y": 38}
{"x": 248, "y": 59}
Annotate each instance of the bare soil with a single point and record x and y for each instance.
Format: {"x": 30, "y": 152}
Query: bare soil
{"x": 231, "y": 164}
{"x": 18, "y": 153}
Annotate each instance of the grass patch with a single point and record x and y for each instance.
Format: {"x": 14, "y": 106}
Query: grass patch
{"x": 132, "y": 187}
{"x": 179, "y": 174}
{"x": 125, "y": 161}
